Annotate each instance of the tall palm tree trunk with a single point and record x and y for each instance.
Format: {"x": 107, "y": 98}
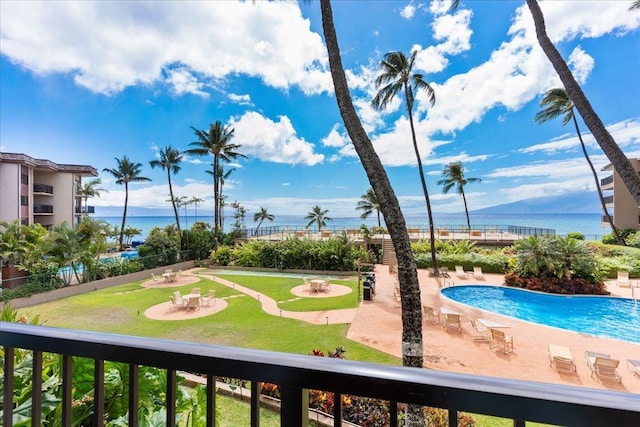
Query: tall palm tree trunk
{"x": 620, "y": 162}
{"x": 466, "y": 209}
{"x": 124, "y": 214}
{"x": 173, "y": 201}
{"x": 412, "y": 344}
{"x": 614, "y": 229}
{"x": 379, "y": 223}
{"x": 216, "y": 202}
{"x": 432, "y": 234}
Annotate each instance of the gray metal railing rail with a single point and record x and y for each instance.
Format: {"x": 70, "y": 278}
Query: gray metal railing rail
{"x": 517, "y": 400}
{"x": 423, "y": 230}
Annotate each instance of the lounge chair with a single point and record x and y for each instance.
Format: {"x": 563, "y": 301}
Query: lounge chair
{"x": 154, "y": 277}
{"x": 634, "y": 366}
{"x": 477, "y": 273}
{"x": 461, "y": 273}
{"x": 452, "y": 321}
{"x": 431, "y": 314}
{"x": 195, "y": 291}
{"x": 561, "y": 359}
{"x": 603, "y": 366}
{"x": 500, "y": 339}
{"x": 481, "y": 331}
{"x": 623, "y": 279}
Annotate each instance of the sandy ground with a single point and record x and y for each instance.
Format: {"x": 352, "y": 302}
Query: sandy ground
{"x": 377, "y": 323}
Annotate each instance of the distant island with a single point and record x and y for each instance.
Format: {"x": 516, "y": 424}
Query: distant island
{"x": 579, "y": 202}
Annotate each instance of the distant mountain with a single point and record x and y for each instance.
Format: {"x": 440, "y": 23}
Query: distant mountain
{"x": 579, "y": 202}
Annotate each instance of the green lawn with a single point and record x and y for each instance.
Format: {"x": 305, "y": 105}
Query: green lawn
{"x": 279, "y": 288}
{"x": 121, "y": 309}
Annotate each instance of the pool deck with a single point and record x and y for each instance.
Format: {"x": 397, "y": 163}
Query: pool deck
{"x": 377, "y": 324}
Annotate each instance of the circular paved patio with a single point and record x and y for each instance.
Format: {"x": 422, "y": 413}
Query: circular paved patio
{"x": 166, "y": 311}
{"x": 335, "y": 291}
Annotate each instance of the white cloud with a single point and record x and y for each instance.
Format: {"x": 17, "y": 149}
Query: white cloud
{"x": 408, "y": 11}
{"x": 108, "y": 46}
{"x": 272, "y": 141}
{"x": 625, "y": 133}
{"x": 240, "y": 99}
{"x": 581, "y": 64}
{"x": 182, "y": 81}
{"x": 335, "y": 138}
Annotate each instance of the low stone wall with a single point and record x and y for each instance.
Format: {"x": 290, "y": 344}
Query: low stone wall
{"x": 94, "y": 286}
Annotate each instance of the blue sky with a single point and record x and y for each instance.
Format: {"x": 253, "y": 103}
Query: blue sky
{"x": 85, "y": 82}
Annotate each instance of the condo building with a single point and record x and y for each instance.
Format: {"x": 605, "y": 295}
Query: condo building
{"x": 37, "y": 191}
{"x": 626, "y": 212}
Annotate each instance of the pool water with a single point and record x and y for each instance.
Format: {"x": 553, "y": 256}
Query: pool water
{"x": 617, "y": 318}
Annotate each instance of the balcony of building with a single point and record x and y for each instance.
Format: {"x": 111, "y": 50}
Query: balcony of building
{"x": 85, "y": 210}
{"x": 43, "y": 189}
{"x": 519, "y": 401}
{"x": 608, "y": 200}
{"x": 606, "y": 183}
{"x": 43, "y": 209}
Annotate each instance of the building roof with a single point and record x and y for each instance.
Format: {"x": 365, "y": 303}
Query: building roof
{"x": 47, "y": 164}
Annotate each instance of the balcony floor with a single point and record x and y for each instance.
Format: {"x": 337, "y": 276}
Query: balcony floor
{"x": 377, "y": 324}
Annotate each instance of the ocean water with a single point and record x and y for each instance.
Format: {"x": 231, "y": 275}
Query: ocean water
{"x": 588, "y": 224}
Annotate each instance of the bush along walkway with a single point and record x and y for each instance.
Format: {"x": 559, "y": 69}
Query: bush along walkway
{"x": 269, "y": 305}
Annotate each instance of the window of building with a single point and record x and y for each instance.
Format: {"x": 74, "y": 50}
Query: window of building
{"x": 24, "y": 178}
{"x": 24, "y": 200}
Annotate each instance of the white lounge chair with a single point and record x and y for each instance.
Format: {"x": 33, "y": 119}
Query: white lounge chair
{"x": 623, "y": 279}
{"x": 561, "y": 359}
{"x": 634, "y": 366}
{"x": 477, "y": 273}
{"x": 461, "y": 273}
{"x": 452, "y": 321}
{"x": 500, "y": 339}
{"x": 431, "y": 314}
{"x": 603, "y": 366}
{"x": 482, "y": 333}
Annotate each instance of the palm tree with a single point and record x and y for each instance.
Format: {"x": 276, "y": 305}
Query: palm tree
{"x": 368, "y": 204}
{"x": 216, "y": 142}
{"x": 195, "y": 200}
{"x": 90, "y": 189}
{"x": 126, "y": 172}
{"x": 412, "y": 344}
{"x": 261, "y": 216}
{"x": 616, "y": 156}
{"x": 170, "y": 160}
{"x": 635, "y": 5}
{"x": 318, "y": 216}
{"x": 222, "y": 176}
{"x": 556, "y": 103}
{"x": 396, "y": 75}
{"x": 454, "y": 177}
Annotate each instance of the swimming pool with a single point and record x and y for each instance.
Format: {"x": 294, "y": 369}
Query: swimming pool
{"x": 617, "y": 318}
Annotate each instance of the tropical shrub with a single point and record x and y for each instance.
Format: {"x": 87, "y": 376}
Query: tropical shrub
{"x": 160, "y": 247}
{"x": 492, "y": 262}
{"x": 222, "y": 256}
{"x": 576, "y": 235}
{"x": 610, "y": 239}
{"x": 556, "y": 264}
{"x": 633, "y": 240}
{"x": 198, "y": 242}
{"x": 335, "y": 254}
